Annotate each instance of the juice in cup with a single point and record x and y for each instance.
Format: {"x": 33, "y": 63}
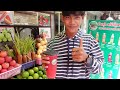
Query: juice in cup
{"x": 52, "y": 67}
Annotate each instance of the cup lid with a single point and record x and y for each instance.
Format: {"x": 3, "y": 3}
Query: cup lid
{"x": 50, "y": 52}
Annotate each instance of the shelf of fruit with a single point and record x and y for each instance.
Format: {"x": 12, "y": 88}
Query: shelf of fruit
{"x": 21, "y": 55}
{"x": 36, "y": 72}
{"x": 41, "y": 45}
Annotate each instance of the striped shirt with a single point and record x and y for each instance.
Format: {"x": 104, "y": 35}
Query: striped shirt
{"x": 66, "y": 67}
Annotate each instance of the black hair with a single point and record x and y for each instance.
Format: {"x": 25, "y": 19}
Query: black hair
{"x": 67, "y": 13}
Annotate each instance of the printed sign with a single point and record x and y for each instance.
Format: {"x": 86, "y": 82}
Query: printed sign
{"x": 43, "y": 19}
{"x": 45, "y": 31}
{"x": 107, "y": 34}
{"x": 6, "y": 17}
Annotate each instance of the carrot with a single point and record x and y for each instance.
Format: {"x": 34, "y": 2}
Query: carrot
{"x": 33, "y": 55}
{"x": 19, "y": 58}
{"x": 29, "y": 57}
{"x": 24, "y": 58}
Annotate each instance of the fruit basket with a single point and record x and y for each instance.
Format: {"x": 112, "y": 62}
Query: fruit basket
{"x": 28, "y": 65}
{"x": 11, "y": 73}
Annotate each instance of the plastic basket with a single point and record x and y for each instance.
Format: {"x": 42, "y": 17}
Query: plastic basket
{"x": 11, "y": 73}
{"x": 28, "y": 65}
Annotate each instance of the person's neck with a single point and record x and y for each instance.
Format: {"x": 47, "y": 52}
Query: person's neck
{"x": 70, "y": 35}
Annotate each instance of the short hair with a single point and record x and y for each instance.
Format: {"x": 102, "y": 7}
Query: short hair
{"x": 67, "y": 13}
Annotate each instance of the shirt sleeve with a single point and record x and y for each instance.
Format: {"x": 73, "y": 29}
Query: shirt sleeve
{"x": 50, "y": 44}
{"x": 95, "y": 61}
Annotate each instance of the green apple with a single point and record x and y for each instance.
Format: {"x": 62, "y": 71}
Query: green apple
{"x": 4, "y": 39}
{"x": 31, "y": 71}
{"x": 36, "y": 76}
{"x": 19, "y": 76}
{"x": 1, "y": 36}
{"x": 30, "y": 77}
{"x": 40, "y": 78}
{"x": 44, "y": 71}
{"x": 8, "y": 35}
{"x": 40, "y": 73}
{"x": 44, "y": 77}
{"x": 25, "y": 74}
{"x": 40, "y": 68}
{"x": 35, "y": 69}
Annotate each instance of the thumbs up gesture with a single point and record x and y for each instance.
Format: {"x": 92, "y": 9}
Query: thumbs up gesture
{"x": 79, "y": 54}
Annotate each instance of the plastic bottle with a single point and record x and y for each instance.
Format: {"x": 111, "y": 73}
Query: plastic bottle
{"x": 103, "y": 38}
{"x": 110, "y": 57}
{"x": 110, "y": 75}
{"x": 112, "y": 39}
{"x": 97, "y": 36}
{"x": 102, "y": 73}
{"x": 117, "y": 59}
{"x": 119, "y": 41}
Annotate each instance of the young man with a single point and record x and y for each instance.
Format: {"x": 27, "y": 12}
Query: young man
{"x": 79, "y": 54}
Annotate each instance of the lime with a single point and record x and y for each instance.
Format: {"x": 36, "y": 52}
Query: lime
{"x": 35, "y": 69}
{"x": 36, "y": 76}
{"x": 40, "y": 78}
{"x": 19, "y": 76}
{"x": 44, "y": 77}
{"x": 30, "y": 77}
{"x": 31, "y": 72}
{"x": 25, "y": 74}
{"x": 40, "y": 73}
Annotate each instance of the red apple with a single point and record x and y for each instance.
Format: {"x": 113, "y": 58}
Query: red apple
{"x": 17, "y": 65}
{"x": 13, "y": 63}
{"x": 0, "y": 67}
{"x": 8, "y": 58}
{"x": 5, "y": 65}
{"x": 3, "y": 70}
{"x": 3, "y": 54}
{"x": 11, "y": 67}
{"x": 2, "y": 60}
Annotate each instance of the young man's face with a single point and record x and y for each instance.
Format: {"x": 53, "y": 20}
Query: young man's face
{"x": 72, "y": 22}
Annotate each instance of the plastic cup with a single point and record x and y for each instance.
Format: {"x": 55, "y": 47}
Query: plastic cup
{"x": 51, "y": 70}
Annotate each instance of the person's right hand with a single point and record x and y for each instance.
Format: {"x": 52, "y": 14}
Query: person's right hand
{"x": 45, "y": 61}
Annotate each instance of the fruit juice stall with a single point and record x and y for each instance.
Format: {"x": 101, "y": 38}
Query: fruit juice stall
{"x": 107, "y": 34}
{"x": 20, "y": 57}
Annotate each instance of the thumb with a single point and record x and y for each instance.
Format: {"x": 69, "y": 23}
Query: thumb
{"x": 81, "y": 42}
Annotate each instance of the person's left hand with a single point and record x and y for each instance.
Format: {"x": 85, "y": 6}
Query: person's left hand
{"x": 79, "y": 54}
